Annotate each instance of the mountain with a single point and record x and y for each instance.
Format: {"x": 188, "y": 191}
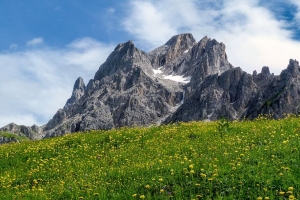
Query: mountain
{"x": 182, "y": 80}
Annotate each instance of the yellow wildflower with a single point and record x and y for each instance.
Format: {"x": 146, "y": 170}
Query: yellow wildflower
{"x": 281, "y": 193}
{"x": 291, "y": 197}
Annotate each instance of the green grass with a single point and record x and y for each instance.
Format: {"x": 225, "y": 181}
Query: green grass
{"x": 252, "y": 160}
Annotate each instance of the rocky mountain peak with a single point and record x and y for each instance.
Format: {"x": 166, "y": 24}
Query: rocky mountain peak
{"x": 293, "y": 68}
{"x": 125, "y": 57}
{"x": 176, "y": 46}
{"x": 79, "y": 84}
{"x": 78, "y": 91}
{"x": 182, "y": 80}
{"x": 184, "y": 41}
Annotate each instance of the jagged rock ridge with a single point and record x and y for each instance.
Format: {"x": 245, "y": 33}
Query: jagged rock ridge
{"x": 182, "y": 80}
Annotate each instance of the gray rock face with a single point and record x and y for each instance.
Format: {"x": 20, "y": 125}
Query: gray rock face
{"x": 134, "y": 88}
{"x": 4, "y": 140}
{"x": 124, "y": 92}
{"x": 236, "y": 95}
{"x": 224, "y": 95}
{"x": 78, "y": 91}
{"x": 176, "y": 46}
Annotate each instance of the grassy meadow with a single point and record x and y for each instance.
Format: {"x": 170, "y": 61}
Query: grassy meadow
{"x": 257, "y": 159}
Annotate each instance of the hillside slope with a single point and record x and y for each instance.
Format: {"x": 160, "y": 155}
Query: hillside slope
{"x": 256, "y": 159}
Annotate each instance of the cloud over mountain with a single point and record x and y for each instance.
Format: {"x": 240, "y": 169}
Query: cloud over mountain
{"x": 38, "y": 82}
{"x": 253, "y": 35}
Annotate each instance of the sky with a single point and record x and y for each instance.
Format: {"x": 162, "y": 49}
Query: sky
{"x": 45, "y": 45}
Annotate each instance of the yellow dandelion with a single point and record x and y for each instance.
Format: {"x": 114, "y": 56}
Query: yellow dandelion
{"x": 162, "y": 190}
{"x": 290, "y": 189}
{"x": 147, "y": 186}
{"x": 281, "y": 193}
{"x": 142, "y": 197}
{"x": 291, "y": 197}
{"x": 134, "y": 195}
{"x": 160, "y": 179}
{"x": 266, "y": 198}
{"x": 259, "y": 198}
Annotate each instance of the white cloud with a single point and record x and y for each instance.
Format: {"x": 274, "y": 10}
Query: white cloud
{"x": 34, "y": 84}
{"x": 111, "y": 10}
{"x": 253, "y": 36}
{"x": 13, "y": 47}
{"x": 35, "y": 42}
{"x": 296, "y": 3}
{"x": 145, "y": 19}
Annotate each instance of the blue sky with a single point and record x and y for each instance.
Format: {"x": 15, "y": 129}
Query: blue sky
{"x": 46, "y": 44}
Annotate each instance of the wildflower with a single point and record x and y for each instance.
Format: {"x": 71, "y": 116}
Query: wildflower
{"x": 134, "y": 195}
{"x": 162, "y": 190}
{"x": 192, "y": 171}
{"x": 191, "y": 166}
{"x": 291, "y": 197}
{"x": 197, "y": 184}
{"x": 203, "y": 175}
{"x": 147, "y": 186}
{"x": 290, "y": 189}
{"x": 142, "y": 197}
{"x": 267, "y": 198}
{"x": 80, "y": 197}
{"x": 259, "y": 198}
{"x": 281, "y": 193}
{"x": 281, "y": 174}
{"x": 96, "y": 194}
{"x": 160, "y": 179}
{"x": 210, "y": 179}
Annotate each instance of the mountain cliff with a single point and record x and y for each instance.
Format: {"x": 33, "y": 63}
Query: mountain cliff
{"x": 182, "y": 80}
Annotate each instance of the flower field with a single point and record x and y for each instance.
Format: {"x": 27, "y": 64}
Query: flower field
{"x": 257, "y": 159}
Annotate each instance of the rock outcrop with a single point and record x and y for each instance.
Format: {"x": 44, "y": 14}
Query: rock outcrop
{"x": 182, "y": 80}
{"x": 34, "y": 132}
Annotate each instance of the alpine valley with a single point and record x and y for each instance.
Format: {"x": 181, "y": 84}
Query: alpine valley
{"x": 182, "y": 80}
